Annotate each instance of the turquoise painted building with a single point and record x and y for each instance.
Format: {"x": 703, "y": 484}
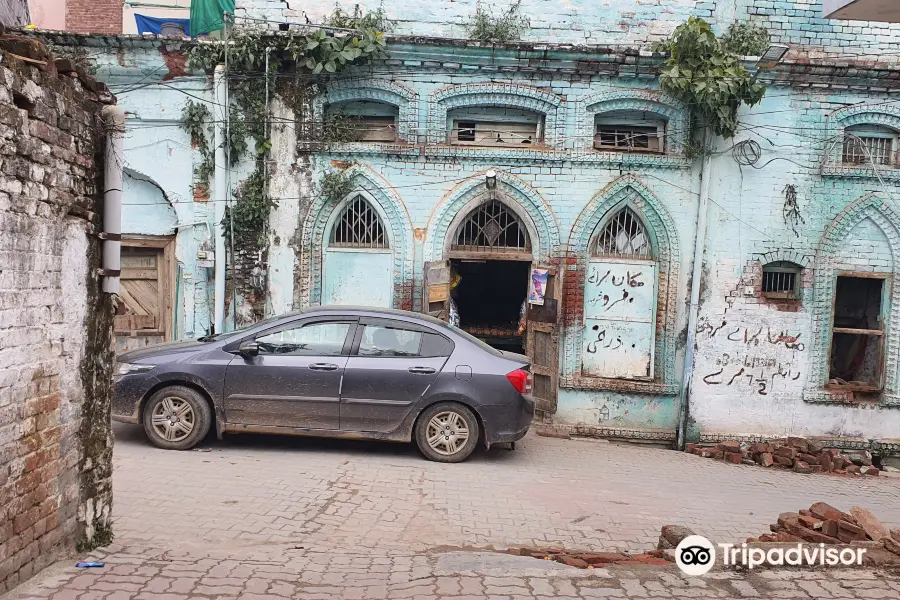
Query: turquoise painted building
{"x": 560, "y": 156}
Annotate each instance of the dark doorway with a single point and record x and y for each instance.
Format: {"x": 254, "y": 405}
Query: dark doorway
{"x": 857, "y": 343}
{"x": 489, "y": 300}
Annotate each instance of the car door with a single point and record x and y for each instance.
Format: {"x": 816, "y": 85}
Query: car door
{"x": 295, "y": 380}
{"x": 391, "y": 365}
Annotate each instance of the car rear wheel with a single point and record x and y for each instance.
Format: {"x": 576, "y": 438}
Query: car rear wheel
{"x": 447, "y": 432}
{"x": 177, "y": 418}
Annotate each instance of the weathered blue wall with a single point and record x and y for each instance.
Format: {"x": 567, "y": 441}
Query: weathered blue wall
{"x": 616, "y": 22}
{"x": 761, "y": 366}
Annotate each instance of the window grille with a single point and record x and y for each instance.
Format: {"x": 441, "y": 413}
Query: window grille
{"x": 628, "y": 138}
{"x": 491, "y": 133}
{"x": 861, "y": 149}
{"x": 492, "y": 226}
{"x": 780, "y": 280}
{"x": 358, "y": 226}
{"x": 624, "y": 237}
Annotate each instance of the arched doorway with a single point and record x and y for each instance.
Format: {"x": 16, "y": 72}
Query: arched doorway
{"x": 358, "y": 260}
{"x": 620, "y": 299}
{"x": 490, "y": 252}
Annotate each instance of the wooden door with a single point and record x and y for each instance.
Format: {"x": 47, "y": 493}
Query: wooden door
{"x": 436, "y": 292}
{"x": 542, "y": 342}
{"x": 143, "y": 317}
{"x": 619, "y": 318}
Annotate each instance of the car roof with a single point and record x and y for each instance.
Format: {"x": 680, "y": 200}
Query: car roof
{"x": 371, "y": 310}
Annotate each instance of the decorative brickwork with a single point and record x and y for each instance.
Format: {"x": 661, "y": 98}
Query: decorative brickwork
{"x": 629, "y": 191}
{"x": 827, "y": 264}
{"x": 653, "y": 102}
{"x": 377, "y": 90}
{"x": 887, "y": 115}
{"x": 395, "y": 217}
{"x": 515, "y": 193}
{"x": 511, "y": 95}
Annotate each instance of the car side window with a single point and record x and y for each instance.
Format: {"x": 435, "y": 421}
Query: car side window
{"x": 314, "y": 339}
{"x": 379, "y": 340}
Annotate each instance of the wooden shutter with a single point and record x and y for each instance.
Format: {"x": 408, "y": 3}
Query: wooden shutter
{"x": 619, "y": 318}
{"x": 436, "y": 293}
{"x": 541, "y": 345}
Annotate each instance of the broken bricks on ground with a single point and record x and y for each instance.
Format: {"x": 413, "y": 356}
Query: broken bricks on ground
{"x": 799, "y": 454}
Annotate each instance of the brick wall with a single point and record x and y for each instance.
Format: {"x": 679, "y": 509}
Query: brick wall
{"x": 55, "y": 326}
{"x": 94, "y": 16}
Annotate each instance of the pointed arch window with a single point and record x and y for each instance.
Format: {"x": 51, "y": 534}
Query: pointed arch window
{"x": 624, "y": 236}
{"x": 358, "y": 226}
{"x": 492, "y": 227}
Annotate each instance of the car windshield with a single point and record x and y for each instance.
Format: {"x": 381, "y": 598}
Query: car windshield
{"x": 237, "y": 332}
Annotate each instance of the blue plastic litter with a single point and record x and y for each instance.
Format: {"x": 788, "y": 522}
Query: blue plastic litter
{"x": 89, "y": 565}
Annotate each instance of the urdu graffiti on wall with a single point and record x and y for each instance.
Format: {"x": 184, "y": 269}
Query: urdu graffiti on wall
{"x": 751, "y": 336}
{"x": 756, "y": 372}
{"x": 602, "y": 298}
{"x": 764, "y": 374}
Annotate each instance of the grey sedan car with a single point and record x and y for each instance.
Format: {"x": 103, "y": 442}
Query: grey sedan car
{"x": 335, "y": 371}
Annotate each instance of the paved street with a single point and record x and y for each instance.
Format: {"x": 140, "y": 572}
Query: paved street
{"x": 266, "y": 517}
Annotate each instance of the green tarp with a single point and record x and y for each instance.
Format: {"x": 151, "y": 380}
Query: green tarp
{"x": 206, "y": 15}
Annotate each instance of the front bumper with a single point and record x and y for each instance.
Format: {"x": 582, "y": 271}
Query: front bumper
{"x": 505, "y": 424}
{"x": 128, "y": 391}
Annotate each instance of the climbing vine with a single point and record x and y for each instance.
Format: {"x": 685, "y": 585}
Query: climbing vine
{"x": 195, "y": 120}
{"x": 308, "y": 57}
{"x": 704, "y": 75}
{"x": 336, "y": 184}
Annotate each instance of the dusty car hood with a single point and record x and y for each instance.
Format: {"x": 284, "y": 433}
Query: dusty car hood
{"x": 168, "y": 349}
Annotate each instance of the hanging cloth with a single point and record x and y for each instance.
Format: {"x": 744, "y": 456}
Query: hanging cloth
{"x": 206, "y": 15}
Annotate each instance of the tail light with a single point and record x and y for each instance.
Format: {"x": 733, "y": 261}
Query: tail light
{"x": 521, "y": 380}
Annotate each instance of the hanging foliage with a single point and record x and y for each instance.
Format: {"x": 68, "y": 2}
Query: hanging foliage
{"x": 746, "y": 39}
{"x": 706, "y": 77}
{"x": 309, "y": 55}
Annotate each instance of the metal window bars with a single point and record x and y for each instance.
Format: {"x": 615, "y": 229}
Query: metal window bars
{"x": 492, "y": 226}
{"x": 859, "y": 149}
{"x": 779, "y": 279}
{"x": 358, "y": 226}
{"x": 624, "y": 236}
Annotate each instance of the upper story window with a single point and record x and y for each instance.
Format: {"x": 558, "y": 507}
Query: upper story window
{"x": 629, "y": 131}
{"x": 495, "y": 126}
{"x": 358, "y": 226}
{"x": 361, "y": 121}
{"x": 781, "y": 279}
{"x": 866, "y": 144}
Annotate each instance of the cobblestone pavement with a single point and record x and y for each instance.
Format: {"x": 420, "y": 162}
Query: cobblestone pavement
{"x": 293, "y": 517}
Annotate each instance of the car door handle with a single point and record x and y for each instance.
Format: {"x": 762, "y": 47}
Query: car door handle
{"x": 323, "y": 367}
{"x": 422, "y": 370}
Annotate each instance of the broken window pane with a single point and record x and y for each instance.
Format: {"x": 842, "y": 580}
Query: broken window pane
{"x": 857, "y": 303}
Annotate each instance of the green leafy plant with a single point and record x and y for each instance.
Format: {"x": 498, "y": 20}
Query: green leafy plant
{"x": 336, "y": 184}
{"x": 250, "y": 212}
{"x": 358, "y": 19}
{"x": 339, "y": 127}
{"x": 706, "y": 77}
{"x": 196, "y": 121}
{"x": 316, "y": 52}
{"x": 745, "y": 39}
{"x": 497, "y": 26}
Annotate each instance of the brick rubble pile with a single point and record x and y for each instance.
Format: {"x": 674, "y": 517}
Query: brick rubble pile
{"x": 799, "y": 454}
{"x": 823, "y": 523}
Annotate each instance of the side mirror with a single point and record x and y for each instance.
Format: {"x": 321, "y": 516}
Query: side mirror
{"x": 248, "y": 349}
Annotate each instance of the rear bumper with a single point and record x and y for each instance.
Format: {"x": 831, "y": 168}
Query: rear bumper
{"x": 504, "y": 424}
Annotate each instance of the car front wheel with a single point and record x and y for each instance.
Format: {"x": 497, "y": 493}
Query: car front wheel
{"x": 447, "y": 432}
{"x": 177, "y": 418}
